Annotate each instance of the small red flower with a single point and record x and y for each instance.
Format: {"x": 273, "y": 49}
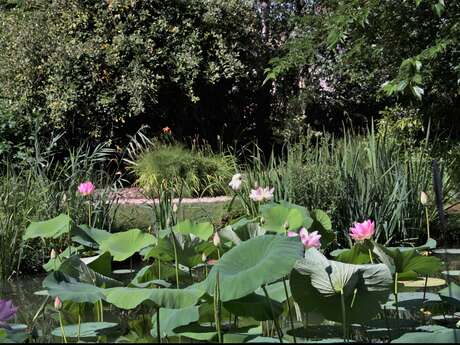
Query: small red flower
{"x": 166, "y": 130}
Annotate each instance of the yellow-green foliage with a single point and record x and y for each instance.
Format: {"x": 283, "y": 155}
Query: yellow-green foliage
{"x": 198, "y": 173}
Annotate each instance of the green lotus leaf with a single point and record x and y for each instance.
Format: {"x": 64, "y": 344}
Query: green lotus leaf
{"x": 317, "y": 285}
{"x": 409, "y": 264}
{"x": 201, "y": 230}
{"x": 123, "y": 245}
{"x": 170, "y": 319}
{"x": 322, "y": 223}
{"x": 276, "y": 291}
{"x": 253, "y": 263}
{"x": 101, "y": 263}
{"x": 451, "y": 295}
{"x": 281, "y": 219}
{"x": 52, "y": 228}
{"x": 68, "y": 289}
{"x": 89, "y": 237}
{"x": 130, "y": 298}
{"x": 74, "y": 267}
{"x": 255, "y": 306}
{"x": 85, "y": 330}
{"x": 54, "y": 264}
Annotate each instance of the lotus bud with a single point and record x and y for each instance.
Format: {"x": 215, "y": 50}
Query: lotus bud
{"x": 262, "y": 220}
{"x": 216, "y": 239}
{"x": 53, "y": 254}
{"x": 174, "y": 208}
{"x": 57, "y": 303}
{"x": 423, "y": 198}
{"x": 204, "y": 257}
{"x": 286, "y": 225}
{"x": 458, "y": 324}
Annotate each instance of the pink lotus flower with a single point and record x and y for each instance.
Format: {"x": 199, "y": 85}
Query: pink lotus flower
{"x": 86, "y": 188}
{"x": 7, "y": 311}
{"x": 362, "y": 231}
{"x": 261, "y": 194}
{"x": 309, "y": 240}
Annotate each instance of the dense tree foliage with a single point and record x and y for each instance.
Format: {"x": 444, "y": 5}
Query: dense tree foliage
{"x": 350, "y": 59}
{"x": 240, "y": 69}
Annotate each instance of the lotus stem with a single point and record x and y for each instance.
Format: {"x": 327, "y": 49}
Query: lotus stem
{"x": 79, "y": 324}
{"x": 289, "y": 310}
{"x": 217, "y": 309}
{"x": 344, "y": 321}
{"x": 102, "y": 310}
{"x": 175, "y": 259}
{"x": 62, "y": 328}
{"x": 158, "y": 326}
{"x": 89, "y": 213}
{"x": 396, "y": 297}
{"x": 370, "y": 256}
{"x": 427, "y": 222}
{"x": 275, "y": 320}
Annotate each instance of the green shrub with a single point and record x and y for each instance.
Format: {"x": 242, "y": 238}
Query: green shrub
{"x": 192, "y": 172}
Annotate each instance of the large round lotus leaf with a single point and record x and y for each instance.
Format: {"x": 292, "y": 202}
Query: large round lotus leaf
{"x": 52, "y": 228}
{"x": 276, "y": 291}
{"x": 170, "y": 319}
{"x": 409, "y": 264}
{"x": 255, "y": 306}
{"x": 85, "y": 330}
{"x": 78, "y": 270}
{"x": 451, "y": 294}
{"x": 322, "y": 223}
{"x": 317, "y": 285}
{"x": 415, "y": 300}
{"x": 123, "y": 245}
{"x": 54, "y": 264}
{"x": 201, "y": 230}
{"x": 447, "y": 335}
{"x": 253, "y": 263}
{"x": 72, "y": 290}
{"x": 130, "y": 298}
{"x": 89, "y": 237}
{"x": 281, "y": 219}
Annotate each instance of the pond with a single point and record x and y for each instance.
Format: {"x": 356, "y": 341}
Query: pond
{"x": 22, "y": 291}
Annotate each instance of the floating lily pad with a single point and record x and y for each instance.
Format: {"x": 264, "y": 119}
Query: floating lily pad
{"x": 452, "y": 273}
{"x": 451, "y": 251}
{"x": 422, "y": 282}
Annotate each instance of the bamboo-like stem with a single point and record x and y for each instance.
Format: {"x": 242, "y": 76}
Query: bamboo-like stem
{"x": 289, "y": 311}
{"x": 275, "y": 320}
